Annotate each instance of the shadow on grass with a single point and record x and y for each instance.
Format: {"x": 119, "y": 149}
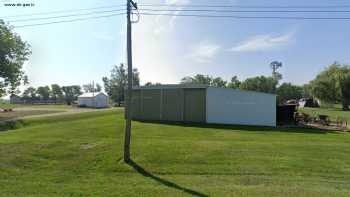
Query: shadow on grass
{"x": 162, "y": 181}
{"x": 295, "y": 129}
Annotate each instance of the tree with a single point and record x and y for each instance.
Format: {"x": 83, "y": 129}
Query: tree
{"x": 135, "y": 77}
{"x": 44, "y": 92}
{"x": 56, "y": 92}
{"x": 29, "y": 94}
{"x": 306, "y": 91}
{"x": 98, "y": 87}
{"x": 333, "y": 85}
{"x": 260, "y": 84}
{"x": 115, "y": 85}
{"x": 91, "y": 87}
{"x": 197, "y": 79}
{"x": 287, "y": 91}
{"x": 148, "y": 84}
{"x": 275, "y": 65}
{"x": 235, "y": 83}
{"x": 204, "y": 80}
{"x": 13, "y": 53}
{"x": 219, "y": 82}
{"x": 71, "y": 93}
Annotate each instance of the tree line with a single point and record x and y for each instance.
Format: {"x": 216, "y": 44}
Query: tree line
{"x": 332, "y": 85}
{"x": 57, "y": 94}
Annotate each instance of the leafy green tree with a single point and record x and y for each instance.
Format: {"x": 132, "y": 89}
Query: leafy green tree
{"x": 219, "y": 82}
{"x": 152, "y": 84}
{"x": 260, "y": 84}
{"x": 13, "y": 53}
{"x": 287, "y": 91}
{"x": 306, "y": 91}
{"x": 71, "y": 93}
{"x": 235, "y": 83}
{"x": 56, "y": 92}
{"x": 204, "y": 80}
{"x": 198, "y": 79}
{"x": 44, "y": 92}
{"x": 98, "y": 87}
{"x": 333, "y": 85}
{"x": 92, "y": 87}
{"x": 117, "y": 82}
{"x": 29, "y": 94}
{"x": 135, "y": 77}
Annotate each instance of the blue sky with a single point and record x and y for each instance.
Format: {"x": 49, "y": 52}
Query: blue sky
{"x": 168, "y": 48}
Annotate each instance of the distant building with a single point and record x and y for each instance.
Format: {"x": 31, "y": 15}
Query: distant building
{"x": 94, "y": 100}
{"x": 14, "y": 99}
{"x": 203, "y": 104}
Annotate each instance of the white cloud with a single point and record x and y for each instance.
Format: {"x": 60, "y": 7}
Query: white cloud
{"x": 204, "y": 52}
{"x": 264, "y": 43}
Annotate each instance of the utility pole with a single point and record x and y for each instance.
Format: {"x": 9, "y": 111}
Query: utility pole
{"x": 129, "y": 91}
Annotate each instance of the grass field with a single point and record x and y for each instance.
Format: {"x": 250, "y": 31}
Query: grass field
{"x": 333, "y": 113}
{"x": 81, "y": 155}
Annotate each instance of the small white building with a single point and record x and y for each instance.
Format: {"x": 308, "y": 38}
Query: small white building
{"x": 94, "y": 100}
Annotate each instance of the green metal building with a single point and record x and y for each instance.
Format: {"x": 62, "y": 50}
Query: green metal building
{"x": 170, "y": 103}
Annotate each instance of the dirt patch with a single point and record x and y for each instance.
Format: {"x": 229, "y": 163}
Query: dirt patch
{"x": 15, "y": 114}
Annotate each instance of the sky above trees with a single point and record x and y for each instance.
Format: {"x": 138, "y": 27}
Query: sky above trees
{"x": 168, "y": 48}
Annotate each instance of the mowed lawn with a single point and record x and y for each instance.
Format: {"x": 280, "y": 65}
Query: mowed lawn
{"x": 334, "y": 113}
{"x": 81, "y": 155}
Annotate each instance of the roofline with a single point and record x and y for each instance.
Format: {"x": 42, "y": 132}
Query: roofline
{"x": 172, "y": 86}
{"x": 192, "y": 86}
{"x": 251, "y": 91}
{"x": 95, "y": 94}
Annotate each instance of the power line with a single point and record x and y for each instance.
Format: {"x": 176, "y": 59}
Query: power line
{"x": 238, "y": 6}
{"x": 62, "y": 11}
{"x": 64, "y": 16}
{"x": 246, "y": 11}
{"x": 198, "y": 10}
{"x": 247, "y": 17}
{"x": 68, "y": 21}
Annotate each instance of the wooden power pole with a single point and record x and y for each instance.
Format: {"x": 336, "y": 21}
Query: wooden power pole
{"x": 130, "y": 80}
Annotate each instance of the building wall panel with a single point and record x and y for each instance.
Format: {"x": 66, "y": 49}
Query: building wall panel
{"x": 195, "y": 105}
{"x": 228, "y": 106}
{"x": 172, "y": 104}
{"x": 136, "y": 105}
{"x": 150, "y": 104}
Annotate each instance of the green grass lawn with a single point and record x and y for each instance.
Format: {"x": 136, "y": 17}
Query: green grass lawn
{"x": 81, "y": 155}
{"x": 13, "y": 106}
{"x": 333, "y": 113}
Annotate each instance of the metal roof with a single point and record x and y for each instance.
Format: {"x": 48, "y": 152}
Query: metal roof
{"x": 173, "y": 86}
{"x": 91, "y": 95}
{"x": 191, "y": 86}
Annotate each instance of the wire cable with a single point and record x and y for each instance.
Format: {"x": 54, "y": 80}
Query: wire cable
{"x": 238, "y": 6}
{"x": 68, "y": 21}
{"x": 63, "y": 16}
{"x": 247, "y": 17}
{"x": 246, "y": 11}
{"x": 61, "y": 11}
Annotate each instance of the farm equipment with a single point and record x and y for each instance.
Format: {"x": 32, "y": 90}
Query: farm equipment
{"x": 320, "y": 121}
{"x": 5, "y": 110}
